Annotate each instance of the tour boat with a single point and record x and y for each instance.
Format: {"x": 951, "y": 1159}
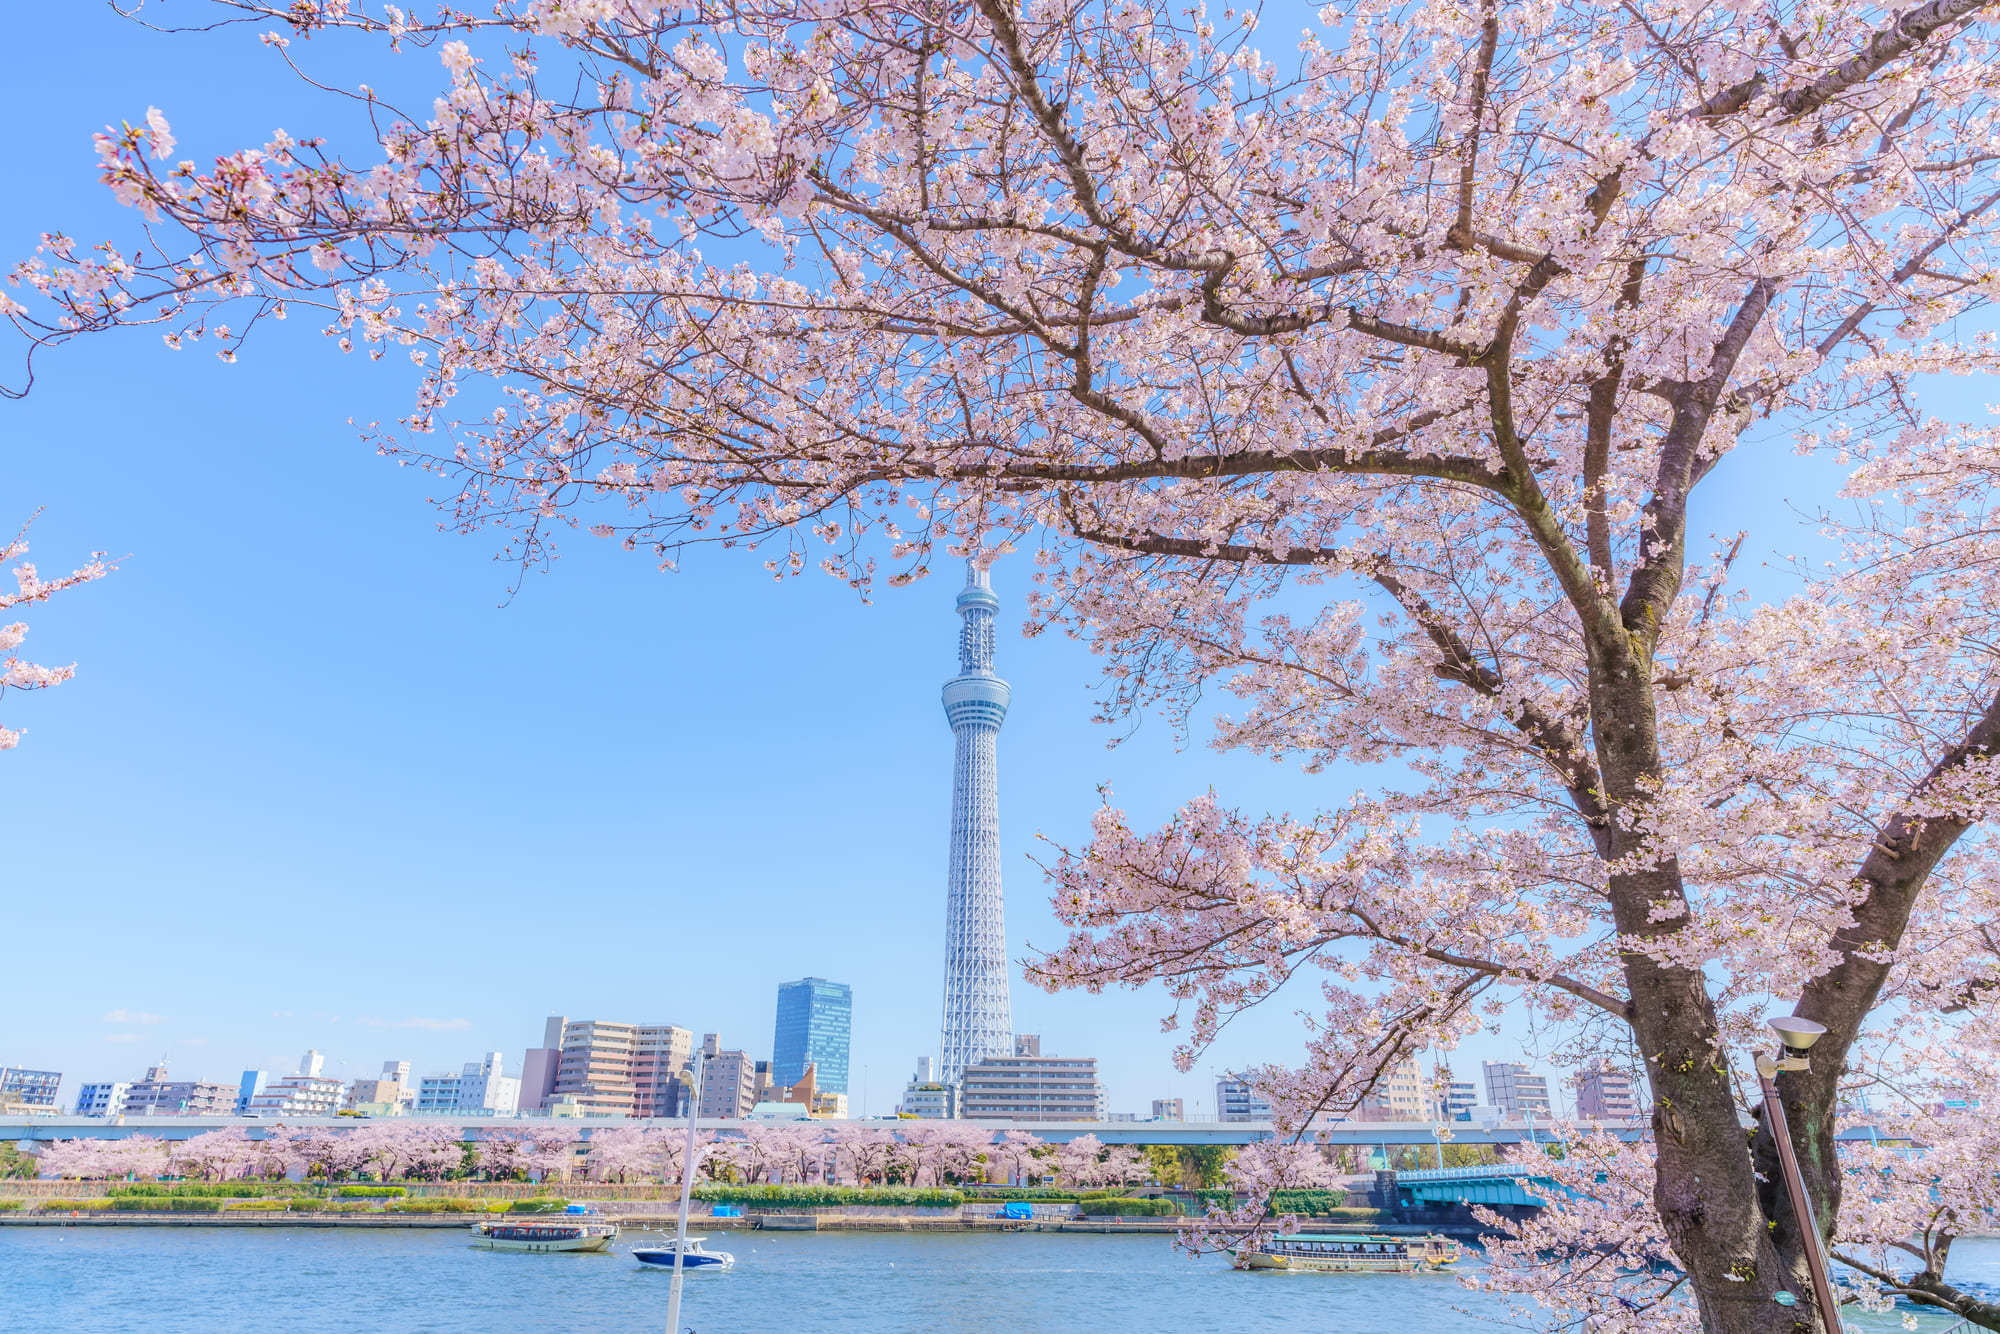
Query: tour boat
{"x": 1333, "y": 1253}
{"x": 693, "y": 1255}
{"x": 577, "y": 1229}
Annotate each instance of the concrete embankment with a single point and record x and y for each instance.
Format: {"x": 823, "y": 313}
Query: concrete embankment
{"x": 664, "y": 1222}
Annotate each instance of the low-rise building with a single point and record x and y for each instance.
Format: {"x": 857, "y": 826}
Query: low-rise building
{"x": 1511, "y": 1087}
{"x": 307, "y": 1093}
{"x": 930, "y": 1101}
{"x": 1235, "y": 1100}
{"x": 30, "y": 1090}
{"x": 484, "y": 1090}
{"x": 158, "y": 1095}
{"x": 1031, "y": 1087}
{"x": 1167, "y": 1109}
{"x": 103, "y": 1099}
{"x": 1456, "y": 1102}
{"x": 369, "y": 1095}
{"x": 253, "y": 1083}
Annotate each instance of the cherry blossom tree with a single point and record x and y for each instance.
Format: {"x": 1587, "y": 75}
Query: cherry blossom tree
{"x": 1376, "y": 389}
{"x": 103, "y": 1159}
{"x": 1079, "y": 1161}
{"x": 619, "y": 1151}
{"x": 863, "y": 1153}
{"x": 16, "y": 673}
{"x": 214, "y": 1155}
{"x": 1013, "y": 1152}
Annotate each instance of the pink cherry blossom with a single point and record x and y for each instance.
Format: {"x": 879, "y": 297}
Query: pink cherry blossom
{"x": 29, "y": 587}
{"x": 1371, "y": 382}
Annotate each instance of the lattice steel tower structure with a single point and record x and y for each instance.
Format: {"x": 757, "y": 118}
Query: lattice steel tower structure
{"x": 977, "y": 1020}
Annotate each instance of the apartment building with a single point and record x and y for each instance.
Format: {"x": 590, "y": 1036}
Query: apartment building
{"x": 728, "y": 1081}
{"x": 1029, "y": 1086}
{"x": 1401, "y": 1093}
{"x": 105, "y": 1099}
{"x": 614, "y": 1069}
{"x": 1167, "y": 1109}
{"x": 1237, "y": 1101}
{"x": 307, "y": 1093}
{"x": 1606, "y": 1093}
{"x": 661, "y": 1055}
{"x": 158, "y": 1095}
{"x": 30, "y": 1090}
{"x": 1515, "y": 1091}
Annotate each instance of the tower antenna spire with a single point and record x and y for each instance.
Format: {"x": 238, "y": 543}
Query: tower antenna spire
{"x": 978, "y": 1023}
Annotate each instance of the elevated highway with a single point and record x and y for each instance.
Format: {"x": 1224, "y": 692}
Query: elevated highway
{"x": 1372, "y": 1134}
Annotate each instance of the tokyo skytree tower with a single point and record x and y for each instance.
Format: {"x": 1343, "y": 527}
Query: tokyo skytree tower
{"x": 977, "y": 1020}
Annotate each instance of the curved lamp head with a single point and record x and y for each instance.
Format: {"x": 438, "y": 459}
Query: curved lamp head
{"x": 1798, "y": 1036}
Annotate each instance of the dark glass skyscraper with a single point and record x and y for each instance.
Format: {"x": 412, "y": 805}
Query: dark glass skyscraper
{"x": 815, "y": 1017}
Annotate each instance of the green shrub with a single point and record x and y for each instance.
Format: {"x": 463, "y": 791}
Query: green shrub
{"x": 67, "y": 1206}
{"x": 227, "y": 1190}
{"x": 540, "y": 1205}
{"x": 438, "y": 1205}
{"x": 1037, "y": 1194}
{"x": 9, "y": 1206}
{"x": 1128, "y": 1207}
{"x": 163, "y": 1203}
{"x": 812, "y": 1197}
{"x": 1361, "y": 1215}
{"x": 371, "y": 1192}
{"x": 305, "y": 1204}
{"x": 1306, "y": 1202}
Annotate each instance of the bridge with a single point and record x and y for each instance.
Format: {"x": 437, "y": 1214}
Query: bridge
{"x": 1500, "y": 1185}
{"x": 1381, "y": 1136}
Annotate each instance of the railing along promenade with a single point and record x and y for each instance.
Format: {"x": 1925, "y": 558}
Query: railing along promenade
{"x": 1375, "y": 1134}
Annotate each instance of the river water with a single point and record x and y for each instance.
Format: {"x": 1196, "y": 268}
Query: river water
{"x": 303, "y": 1281}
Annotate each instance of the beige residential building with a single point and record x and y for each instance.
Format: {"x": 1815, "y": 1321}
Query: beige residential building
{"x": 614, "y": 1069}
{"x": 728, "y": 1081}
{"x": 1400, "y": 1094}
{"x": 661, "y": 1054}
{"x": 1031, "y": 1087}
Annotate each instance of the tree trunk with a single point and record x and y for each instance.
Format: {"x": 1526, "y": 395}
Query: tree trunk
{"x": 1705, "y": 1184}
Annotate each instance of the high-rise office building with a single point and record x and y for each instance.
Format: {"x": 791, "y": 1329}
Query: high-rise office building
{"x": 1606, "y": 1093}
{"x": 978, "y": 1018}
{"x": 815, "y": 1019}
{"x": 1514, "y": 1091}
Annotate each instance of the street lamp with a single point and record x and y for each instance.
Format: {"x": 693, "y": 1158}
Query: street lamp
{"x": 1795, "y": 1039}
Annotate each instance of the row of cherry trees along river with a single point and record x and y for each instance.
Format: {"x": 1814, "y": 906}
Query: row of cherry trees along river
{"x": 1374, "y": 379}
{"x": 919, "y": 1156}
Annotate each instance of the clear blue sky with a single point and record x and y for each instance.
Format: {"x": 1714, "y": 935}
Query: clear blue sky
{"x": 315, "y": 786}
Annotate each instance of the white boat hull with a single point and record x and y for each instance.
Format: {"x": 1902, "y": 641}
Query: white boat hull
{"x": 544, "y": 1237}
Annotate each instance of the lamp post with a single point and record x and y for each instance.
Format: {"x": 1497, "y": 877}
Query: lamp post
{"x": 1795, "y": 1037}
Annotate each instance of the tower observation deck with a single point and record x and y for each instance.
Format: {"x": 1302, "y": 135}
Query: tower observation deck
{"x": 978, "y": 1022}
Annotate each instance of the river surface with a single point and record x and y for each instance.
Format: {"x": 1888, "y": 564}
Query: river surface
{"x": 303, "y": 1281}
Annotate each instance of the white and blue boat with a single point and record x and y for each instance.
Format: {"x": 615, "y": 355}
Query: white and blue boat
{"x": 693, "y": 1255}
